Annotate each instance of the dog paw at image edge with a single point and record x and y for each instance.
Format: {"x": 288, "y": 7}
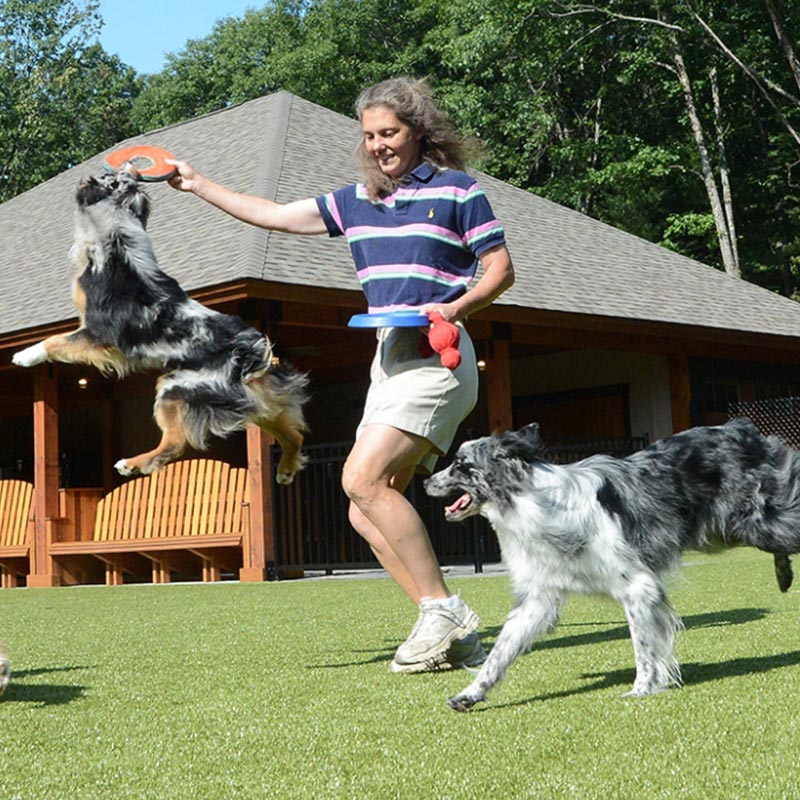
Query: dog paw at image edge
{"x": 30, "y": 356}
{"x": 5, "y": 670}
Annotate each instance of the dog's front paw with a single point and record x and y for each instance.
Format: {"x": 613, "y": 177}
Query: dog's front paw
{"x": 645, "y": 690}
{"x": 124, "y": 468}
{"x": 30, "y": 356}
{"x": 284, "y": 478}
{"x": 463, "y": 702}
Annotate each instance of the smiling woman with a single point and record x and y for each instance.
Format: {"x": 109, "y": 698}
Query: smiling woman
{"x": 391, "y": 142}
{"x": 417, "y": 228}
{"x": 405, "y": 108}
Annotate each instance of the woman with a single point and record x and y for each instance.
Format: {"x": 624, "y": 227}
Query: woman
{"x": 417, "y": 228}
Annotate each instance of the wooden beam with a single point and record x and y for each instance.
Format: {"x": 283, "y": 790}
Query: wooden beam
{"x": 680, "y": 392}
{"x": 43, "y": 570}
{"x": 259, "y": 545}
{"x": 498, "y": 386}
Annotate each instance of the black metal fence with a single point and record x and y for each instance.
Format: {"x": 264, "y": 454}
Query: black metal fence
{"x": 312, "y": 531}
{"x": 777, "y": 416}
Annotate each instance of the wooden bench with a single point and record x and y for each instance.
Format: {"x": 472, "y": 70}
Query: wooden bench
{"x": 192, "y": 518}
{"x": 16, "y": 527}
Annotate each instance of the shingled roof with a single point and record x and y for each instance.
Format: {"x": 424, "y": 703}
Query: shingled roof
{"x": 286, "y": 148}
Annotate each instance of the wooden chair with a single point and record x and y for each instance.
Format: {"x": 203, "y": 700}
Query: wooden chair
{"x": 16, "y": 526}
{"x": 191, "y": 518}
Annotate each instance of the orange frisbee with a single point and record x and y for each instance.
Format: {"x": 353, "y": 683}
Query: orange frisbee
{"x": 147, "y": 160}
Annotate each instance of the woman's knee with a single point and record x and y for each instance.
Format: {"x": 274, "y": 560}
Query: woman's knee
{"x": 357, "y": 484}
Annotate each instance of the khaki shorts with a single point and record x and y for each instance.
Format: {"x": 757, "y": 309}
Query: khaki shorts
{"x": 417, "y": 394}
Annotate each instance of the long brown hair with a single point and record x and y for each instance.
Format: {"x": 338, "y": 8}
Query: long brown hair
{"x": 411, "y": 102}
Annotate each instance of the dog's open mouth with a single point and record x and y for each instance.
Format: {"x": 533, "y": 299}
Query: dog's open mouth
{"x": 459, "y": 509}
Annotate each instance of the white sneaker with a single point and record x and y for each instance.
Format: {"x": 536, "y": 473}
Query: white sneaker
{"x": 433, "y": 634}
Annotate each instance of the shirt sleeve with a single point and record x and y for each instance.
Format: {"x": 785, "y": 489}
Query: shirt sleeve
{"x": 480, "y": 229}
{"x": 332, "y": 207}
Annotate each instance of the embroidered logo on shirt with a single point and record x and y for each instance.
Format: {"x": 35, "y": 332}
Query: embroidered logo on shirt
{"x": 430, "y": 214}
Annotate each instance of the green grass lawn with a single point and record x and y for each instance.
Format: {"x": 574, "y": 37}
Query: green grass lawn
{"x": 283, "y": 691}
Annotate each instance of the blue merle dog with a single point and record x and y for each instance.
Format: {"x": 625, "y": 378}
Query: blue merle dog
{"x": 617, "y": 526}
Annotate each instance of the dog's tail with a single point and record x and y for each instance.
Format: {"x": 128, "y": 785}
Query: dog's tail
{"x": 783, "y": 571}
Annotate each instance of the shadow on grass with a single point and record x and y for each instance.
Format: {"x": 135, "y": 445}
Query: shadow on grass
{"x": 735, "y": 616}
{"x": 693, "y": 674}
{"x": 715, "y": 619}
{"x": 44, "y": 694}
{"x": 379, "y": 656}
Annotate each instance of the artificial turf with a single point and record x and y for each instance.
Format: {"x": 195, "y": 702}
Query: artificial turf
{"x": 282, "y": 690}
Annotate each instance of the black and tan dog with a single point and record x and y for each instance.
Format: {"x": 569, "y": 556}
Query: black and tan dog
{"x": 218, "y": 373}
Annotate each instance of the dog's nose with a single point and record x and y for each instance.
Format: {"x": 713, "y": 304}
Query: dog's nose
{"x": 130, "y": 169}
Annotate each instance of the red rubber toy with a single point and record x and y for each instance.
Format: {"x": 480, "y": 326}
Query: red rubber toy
{"x": 148, "y": 161}
{"x": 443, "y": 338}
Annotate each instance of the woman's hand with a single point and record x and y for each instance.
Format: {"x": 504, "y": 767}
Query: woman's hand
{"x": 186, "y": 178}
{"x": 449, "y": 311}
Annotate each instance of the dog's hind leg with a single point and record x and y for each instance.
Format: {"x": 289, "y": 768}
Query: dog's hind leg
{"x": 783, "y": 571}
{"x": 291, "y": 442}
{"x": 169, "y": 415}
{"x": 653, "y": 624}
{"x": 534, "y": 615}
{"x": 78, "y": 347}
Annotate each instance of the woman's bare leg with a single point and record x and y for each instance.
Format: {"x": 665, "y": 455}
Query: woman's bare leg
{"x": 378, "y": 468}
{"x": 385, "y": 555}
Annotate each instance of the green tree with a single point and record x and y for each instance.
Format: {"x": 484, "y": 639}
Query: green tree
{"x": 323, "y": 50}
{"x": 731, "y": 81}
{"x": 668, "y": 119}
{"x": 62, "y": 98}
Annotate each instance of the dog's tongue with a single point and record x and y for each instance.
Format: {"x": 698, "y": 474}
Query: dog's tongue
{"x": 460, "y": 504}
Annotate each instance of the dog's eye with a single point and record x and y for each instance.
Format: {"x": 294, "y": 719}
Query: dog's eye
{"x": 461, "y": 465}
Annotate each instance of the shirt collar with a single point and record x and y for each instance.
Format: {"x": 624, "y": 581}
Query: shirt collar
{"x": 422, "y": 172}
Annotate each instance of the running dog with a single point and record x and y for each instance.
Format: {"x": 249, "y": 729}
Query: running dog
{"x": 218, "y": 373}
{"x": 614, "y": 526}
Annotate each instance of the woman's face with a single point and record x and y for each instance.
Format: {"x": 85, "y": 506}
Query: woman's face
{"x": 391, "y": 142}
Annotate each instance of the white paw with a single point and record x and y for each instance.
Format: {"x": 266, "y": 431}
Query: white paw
{"x": 30, "y": 356}
{"x": 122, "y": 467}
{"x": 284, "y": 478}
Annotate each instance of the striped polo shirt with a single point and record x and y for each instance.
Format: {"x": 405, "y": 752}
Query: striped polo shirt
{"x": 420, "y": 244}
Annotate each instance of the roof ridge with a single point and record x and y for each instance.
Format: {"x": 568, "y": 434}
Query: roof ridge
{"x": 267, "y": 180}
{"x": 265, "y": 98}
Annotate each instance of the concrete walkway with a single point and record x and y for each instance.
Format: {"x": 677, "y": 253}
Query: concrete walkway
{"x": 454, "y": 571}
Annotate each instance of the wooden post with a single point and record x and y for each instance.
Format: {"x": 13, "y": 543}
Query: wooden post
{"x": 680, "y": 392}
{"x": 259, "y": 553}
{"x": 43, "y": 571}
{"x": 110, "y": 441}
{"x": 498, "y": 386}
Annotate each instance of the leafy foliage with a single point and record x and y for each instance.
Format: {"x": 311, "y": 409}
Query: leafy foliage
{"x": 580, "y": 103}
{"x": 62, "y": 98}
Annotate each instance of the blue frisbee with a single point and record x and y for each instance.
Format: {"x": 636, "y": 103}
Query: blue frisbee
{"x": 390, "y": 319}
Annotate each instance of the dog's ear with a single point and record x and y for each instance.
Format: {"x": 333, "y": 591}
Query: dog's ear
{"x": 524, "y": 444}
{"x": 531, "y": 434}
{"x": 140, "y": 206}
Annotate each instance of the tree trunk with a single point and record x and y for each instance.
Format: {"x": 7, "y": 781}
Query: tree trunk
{"x": 726, "y": 243}
{"x": 724, "y": 172}
{"x": 783, "y": 38}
